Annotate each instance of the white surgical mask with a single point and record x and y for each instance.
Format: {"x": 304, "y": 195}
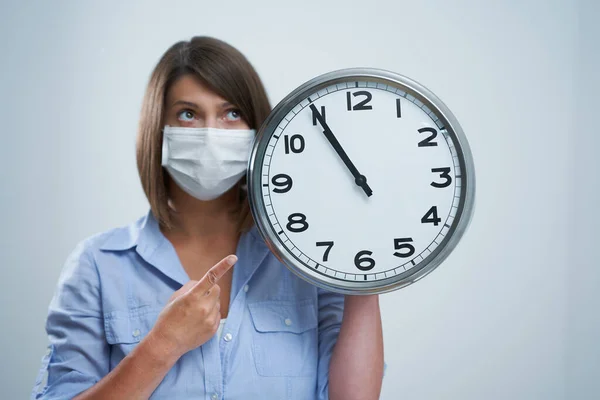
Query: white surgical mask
{"x": 206, "y": 162}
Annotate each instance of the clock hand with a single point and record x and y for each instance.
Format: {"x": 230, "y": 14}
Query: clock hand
{"x": 359, "y": 179}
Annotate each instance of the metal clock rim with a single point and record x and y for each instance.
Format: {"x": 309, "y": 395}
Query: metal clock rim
{"x": 286, "y": 105}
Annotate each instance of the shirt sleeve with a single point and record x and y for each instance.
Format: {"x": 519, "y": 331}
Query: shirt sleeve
{"x": 331, "y": 309}
{"x": 77, "y": 355}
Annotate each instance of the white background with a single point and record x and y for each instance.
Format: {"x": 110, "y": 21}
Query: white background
{"x": 512, "y": 313}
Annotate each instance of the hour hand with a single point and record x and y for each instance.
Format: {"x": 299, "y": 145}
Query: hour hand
{"x": 359, "y": 179}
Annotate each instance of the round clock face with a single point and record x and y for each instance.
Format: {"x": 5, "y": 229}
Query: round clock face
{"x": 361, "y": 181}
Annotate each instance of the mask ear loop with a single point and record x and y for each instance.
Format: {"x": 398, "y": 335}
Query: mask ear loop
{"x": 167, "y": 178}
{"x": 244, "y": 186}
{"x": 171, "y": 205}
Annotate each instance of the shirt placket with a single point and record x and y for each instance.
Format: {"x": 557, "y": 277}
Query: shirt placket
{"x": 213, "y": 382}
{"x": 231, "y": 330}
{"x": 248, "y": 262}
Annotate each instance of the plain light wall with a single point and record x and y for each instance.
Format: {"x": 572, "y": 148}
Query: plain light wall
{"x": 583, "y": 322}
{"x": 504, "y": 317}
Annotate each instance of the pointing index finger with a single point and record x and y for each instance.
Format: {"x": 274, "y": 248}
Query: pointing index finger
{"x": 214, "y": 274}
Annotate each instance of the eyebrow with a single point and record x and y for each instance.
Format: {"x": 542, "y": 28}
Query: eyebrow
{"x": 225, "y": 104}
{"x": 184, "y": 103}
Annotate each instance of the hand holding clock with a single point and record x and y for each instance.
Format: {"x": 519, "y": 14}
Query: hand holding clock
{"x": 359, "y": 179}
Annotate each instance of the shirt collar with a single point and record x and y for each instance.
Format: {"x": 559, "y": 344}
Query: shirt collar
{"x": 124, "y": 238}
{"x": 152, "y": 246}
{"x": 155, "y": 249}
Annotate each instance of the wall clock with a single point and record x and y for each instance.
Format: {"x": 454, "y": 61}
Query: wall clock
{"x": 361, "y": 181}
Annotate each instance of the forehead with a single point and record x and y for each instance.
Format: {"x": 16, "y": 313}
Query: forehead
{"x": 191, "y": 89}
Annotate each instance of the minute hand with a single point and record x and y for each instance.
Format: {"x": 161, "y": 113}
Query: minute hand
{"x": 359, "y": 179}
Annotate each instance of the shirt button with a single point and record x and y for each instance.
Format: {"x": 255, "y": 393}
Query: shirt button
{"x": 246, "y": 288}
{"x": 136, "y": 333}
{"x": 228, "y": 337}
{"x": 214, "y": 396}
{"x": 288, "y": 321}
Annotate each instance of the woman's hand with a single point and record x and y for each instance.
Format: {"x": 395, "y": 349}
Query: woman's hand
{"x": 192, "y": 314}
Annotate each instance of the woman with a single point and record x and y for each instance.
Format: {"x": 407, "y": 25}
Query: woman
{"x": 188, "y": 302}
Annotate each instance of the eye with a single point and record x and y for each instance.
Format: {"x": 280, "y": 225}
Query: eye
{"x": 234, "y": 115}
{"x": 186, "y": 115}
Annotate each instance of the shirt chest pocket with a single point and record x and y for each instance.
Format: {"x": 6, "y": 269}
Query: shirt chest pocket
{"x": 124, "y": 329}
{"x": 285, "y": 339}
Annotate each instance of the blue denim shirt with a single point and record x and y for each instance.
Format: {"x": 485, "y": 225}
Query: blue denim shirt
{"x": 276, "y": 344}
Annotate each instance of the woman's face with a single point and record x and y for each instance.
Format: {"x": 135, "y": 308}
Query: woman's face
{"x": 191, "y": 104}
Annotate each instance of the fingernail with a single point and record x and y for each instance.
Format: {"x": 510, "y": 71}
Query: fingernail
{"x": 231, "y": 260}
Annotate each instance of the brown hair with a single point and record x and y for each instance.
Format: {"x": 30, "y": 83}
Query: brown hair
{"x": 225, "y": 71}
